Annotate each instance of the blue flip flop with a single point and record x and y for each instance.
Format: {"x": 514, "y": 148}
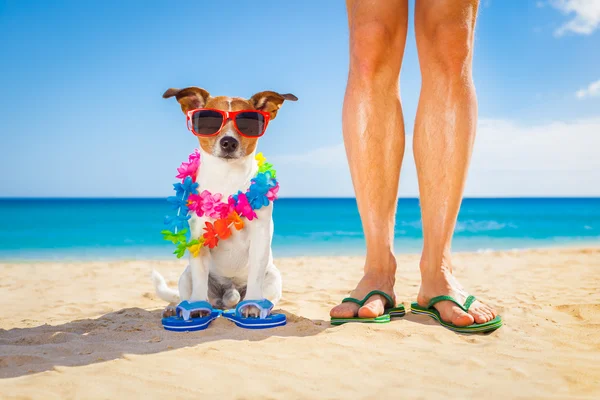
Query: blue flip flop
{"x": 266, "y": 319}
{"x": 182, "y": 322}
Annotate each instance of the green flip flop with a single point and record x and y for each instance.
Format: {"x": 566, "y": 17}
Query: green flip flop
{"x": 489, "y": 326}
{"x": 390, "y": 311}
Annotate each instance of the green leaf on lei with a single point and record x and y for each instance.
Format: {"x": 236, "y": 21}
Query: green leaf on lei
{"x": 180, "y": 251}
{"x": 174, "y": 238}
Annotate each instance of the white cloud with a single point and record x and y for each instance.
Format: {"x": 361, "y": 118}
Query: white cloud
{"x": 592, "y": 90}
{"x": 553, "y": 159}
{"x": 586, "y": 16}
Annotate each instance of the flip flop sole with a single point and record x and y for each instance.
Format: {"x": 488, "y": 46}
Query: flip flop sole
{"x": 272, "y": 321}
{"x": 474, "y": 328}
{"x": 382, "y": 319}
{"x": 178, "y": 324}
{"x": 397, "y": 312}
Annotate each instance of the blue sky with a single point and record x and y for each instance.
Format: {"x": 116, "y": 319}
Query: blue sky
{"x": 82, "y": 115}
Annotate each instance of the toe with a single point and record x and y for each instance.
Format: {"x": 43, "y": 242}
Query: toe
{"x": 344, "y": 310}
{"x": 461, "y": 318}
{"x": 490, "y": 314}
{"x": 373, "y": 308}
{"x": 490, "y": 310}
{"x": 450, "y": 312}
{"x": 480, "y": 316}
{"x": 482, "y": 313}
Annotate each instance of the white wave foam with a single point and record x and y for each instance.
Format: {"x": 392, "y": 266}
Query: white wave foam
{"x": 482, "y": 226}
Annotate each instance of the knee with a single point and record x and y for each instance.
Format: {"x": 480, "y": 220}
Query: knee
{"x": 450, "y": 45}
{"x": 370, "y": 48}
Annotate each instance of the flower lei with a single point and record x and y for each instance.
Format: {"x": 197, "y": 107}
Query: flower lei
{"x": 227, "y": 215}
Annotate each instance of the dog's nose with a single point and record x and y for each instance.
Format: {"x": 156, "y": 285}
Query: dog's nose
{"x": 229, "y": 144}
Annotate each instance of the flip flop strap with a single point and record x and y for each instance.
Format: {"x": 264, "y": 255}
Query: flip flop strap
{"x": 185, "y": 308}
{"x": 387, "y": 297}
{"x": 470, "y": 299}
{"x": 264, "y": 305}
{"x": 465, "y": 307}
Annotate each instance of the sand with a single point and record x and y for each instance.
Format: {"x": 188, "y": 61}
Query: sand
{"x": 92, "y": 330}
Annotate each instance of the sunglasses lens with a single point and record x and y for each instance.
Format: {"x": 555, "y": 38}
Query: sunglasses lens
{"x": 206, "y": 122}
{"x": 250, "y": 123}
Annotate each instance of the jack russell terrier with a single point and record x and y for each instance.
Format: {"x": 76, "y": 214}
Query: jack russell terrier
{"x": 240, "y": 267}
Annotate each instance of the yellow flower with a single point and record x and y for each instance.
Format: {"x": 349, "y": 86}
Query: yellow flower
{"x": 195, "y": 248}
{"x": 260, "y": 158}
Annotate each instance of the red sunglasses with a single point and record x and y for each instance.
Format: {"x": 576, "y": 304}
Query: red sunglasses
{"x": 204, "y": 122}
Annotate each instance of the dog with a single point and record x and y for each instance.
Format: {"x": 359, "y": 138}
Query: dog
{"x": 241, "y": 267}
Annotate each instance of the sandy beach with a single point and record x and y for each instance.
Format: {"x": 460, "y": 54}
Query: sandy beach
{"x": 92, "y": 330}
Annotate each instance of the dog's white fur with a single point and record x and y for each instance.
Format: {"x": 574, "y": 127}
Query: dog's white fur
{"x": 244, "y": 260}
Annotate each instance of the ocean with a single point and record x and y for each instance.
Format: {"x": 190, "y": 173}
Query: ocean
{"x": 82, "y": 229}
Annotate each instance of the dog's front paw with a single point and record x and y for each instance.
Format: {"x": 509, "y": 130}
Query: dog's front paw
{"x": 169, "y": 311}
{"x": 251, "y": 312}
{"x": 199, "y": 314}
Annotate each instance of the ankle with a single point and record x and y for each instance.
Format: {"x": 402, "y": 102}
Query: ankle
{"x": 383, "y": 264}
{"x": 434, "y": 267}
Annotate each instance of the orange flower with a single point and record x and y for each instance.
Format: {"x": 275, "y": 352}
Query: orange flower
{"x": 222, "y": 228}
{"x": 234, "y": 218}
{"x": 210, "y": 236}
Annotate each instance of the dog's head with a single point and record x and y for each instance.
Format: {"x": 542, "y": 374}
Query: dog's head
{"x": 228, "y": 144}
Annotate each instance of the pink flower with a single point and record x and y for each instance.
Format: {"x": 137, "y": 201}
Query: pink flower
{"x": 194, "y": 156}
{"x": 231, "y": 204}
{"x": 222, "y": 210}
{"x": 185, "y": 170}
{"x": 195, "y": 204}
{"x": 189, "y": 168}
{"x": 209, "y": 203}
{"x": 243, "y": 207}
{"x": 272, "y": 193}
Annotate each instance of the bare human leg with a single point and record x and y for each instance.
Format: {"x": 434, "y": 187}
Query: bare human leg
{"x": 374, "y": 138}
{"x": 443, "y": 141}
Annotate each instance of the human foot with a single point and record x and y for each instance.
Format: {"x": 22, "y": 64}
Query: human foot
{"x": 376, "y": 304}
{"x": 443, "y": 283}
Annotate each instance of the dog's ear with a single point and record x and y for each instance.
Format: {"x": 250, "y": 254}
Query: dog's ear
{"x": 270, "y": 101}
{"x": 189, "y": 97}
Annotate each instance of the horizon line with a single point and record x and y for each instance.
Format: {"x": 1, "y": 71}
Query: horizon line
{"x": 289, "y": 198}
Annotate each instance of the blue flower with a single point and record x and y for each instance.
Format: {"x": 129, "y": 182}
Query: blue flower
{"x": 186, "y": 188}
{"x": 178, "y": 204}
{"x": 259, "y": 188}
{"x": 257, "y": 196}
{"x": 177, "y": 222}
{"x": 264, "y": 181}
{"x": 178, "y": 188}
{"x": 190, "y": 186}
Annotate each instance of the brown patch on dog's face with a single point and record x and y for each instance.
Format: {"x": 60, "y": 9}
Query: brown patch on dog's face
{"x": 270, "y": 101}
{"x": 189, "y": 98}
{"x": 228, "y": 144}
{"x": 214, "y": 144}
